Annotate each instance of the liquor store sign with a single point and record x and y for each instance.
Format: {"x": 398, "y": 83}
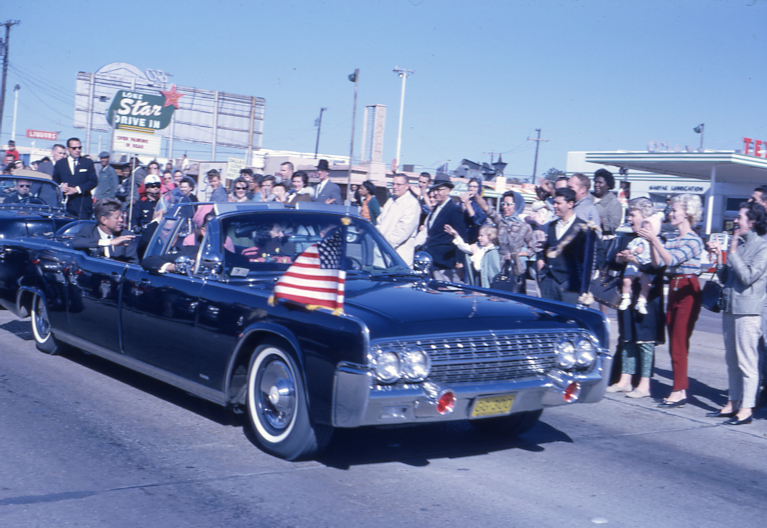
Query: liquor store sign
{"x": 142, "y": 111}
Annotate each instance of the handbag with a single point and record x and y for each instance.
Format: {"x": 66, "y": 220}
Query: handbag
{"x": 712, "y": 296}
{"x": 606, "y": 290}
{"x": 508, "y": 281}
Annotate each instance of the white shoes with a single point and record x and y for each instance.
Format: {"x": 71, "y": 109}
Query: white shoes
{"x": 636, "y": 393}
{"x": 625, "y": 302}
{"x": 641, "y": 306}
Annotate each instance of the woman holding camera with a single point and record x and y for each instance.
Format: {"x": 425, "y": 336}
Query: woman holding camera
{"x": 744, "y": 278}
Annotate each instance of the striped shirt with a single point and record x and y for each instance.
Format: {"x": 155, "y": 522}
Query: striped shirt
{"x": 685, "y": 255}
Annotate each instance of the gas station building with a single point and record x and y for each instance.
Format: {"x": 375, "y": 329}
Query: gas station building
{"x": 723, "y": 179}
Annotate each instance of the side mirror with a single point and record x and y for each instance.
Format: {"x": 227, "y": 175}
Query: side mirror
{"x": 422, "y": 263}
{"x": 185, "y": 265}
{"x": 212, "y": 261}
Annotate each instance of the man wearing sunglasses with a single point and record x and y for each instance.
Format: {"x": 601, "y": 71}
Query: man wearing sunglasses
{"x": 143, "y": 210}
{"x": 77, "y": 177}
{"x": 22, "y": 192}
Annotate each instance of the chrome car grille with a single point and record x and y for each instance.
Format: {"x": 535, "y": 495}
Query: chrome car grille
{"x": 488, "y": 357}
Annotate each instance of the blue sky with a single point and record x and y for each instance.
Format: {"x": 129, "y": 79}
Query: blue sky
{"x": 593, "y": 75}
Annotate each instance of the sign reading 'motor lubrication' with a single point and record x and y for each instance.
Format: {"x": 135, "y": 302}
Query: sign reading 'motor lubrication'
{"x": 143, "y": 112}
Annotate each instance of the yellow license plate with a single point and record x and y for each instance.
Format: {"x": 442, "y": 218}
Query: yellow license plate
{"x": 492, "y": 406}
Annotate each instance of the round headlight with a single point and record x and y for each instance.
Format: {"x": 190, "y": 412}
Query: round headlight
{"x": 416, "y": 364}
{"x": 386, "y": 365}
{"x": 585, "y": 352}
{"x": 566, "y": 354}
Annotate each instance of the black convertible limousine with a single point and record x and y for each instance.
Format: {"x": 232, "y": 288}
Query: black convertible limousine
{"x": 404, "y": 349}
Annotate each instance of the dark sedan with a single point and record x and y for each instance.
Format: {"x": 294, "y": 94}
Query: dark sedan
{"x": 30, "y": 209}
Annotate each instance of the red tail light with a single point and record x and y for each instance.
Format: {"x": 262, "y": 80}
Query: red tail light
{"x": 446, "y": 403}
{"x": 572, "y": 392}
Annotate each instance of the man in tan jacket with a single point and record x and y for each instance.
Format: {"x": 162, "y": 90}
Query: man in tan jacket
{"x": 399, "y": 219}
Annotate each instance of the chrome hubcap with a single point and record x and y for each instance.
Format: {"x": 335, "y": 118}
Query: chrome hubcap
{"x": 41, "y": 319}
{"x": 277, "y": 394}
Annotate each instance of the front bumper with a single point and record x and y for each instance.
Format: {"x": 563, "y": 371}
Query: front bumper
{"x": 357, "y": 401}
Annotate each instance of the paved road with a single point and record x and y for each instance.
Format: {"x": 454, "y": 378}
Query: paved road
{"x": 89, "y": 444}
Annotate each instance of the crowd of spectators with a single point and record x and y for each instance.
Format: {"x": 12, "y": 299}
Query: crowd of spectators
{"x": 566, "y": 239}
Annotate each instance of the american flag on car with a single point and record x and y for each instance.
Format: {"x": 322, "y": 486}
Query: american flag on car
{"x": 316, "y": 278}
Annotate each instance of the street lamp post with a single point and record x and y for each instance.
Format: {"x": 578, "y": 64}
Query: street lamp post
{"x": 318, "y": 124}
{"x": 699, "y": 130}
{"x": 404, "y": 74}
{"x": 15, "y": 110}
{"x": 354, "y": 77}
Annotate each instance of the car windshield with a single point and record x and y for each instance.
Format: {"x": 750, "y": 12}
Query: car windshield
{"x": 18, "y": 190}
{"x": 272, "y": 241}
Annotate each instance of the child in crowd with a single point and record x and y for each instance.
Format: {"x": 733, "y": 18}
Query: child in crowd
{"x": 641, "y": 250}
{"x": 484, "y": 261}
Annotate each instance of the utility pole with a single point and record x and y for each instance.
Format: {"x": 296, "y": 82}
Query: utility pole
{"x": 492, "y": 156}
{"x": 404, "y": 74}
{"x": 318, "y": 124}
{"x": 5, "y": 49}
{"x": 537, "y": 144}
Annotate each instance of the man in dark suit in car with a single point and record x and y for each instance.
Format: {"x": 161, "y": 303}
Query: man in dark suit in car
{"x": 107, "y": 238}
{"x": 77, "y": 177}
{"x": 22, "y": 192}
{"x": 562, "y": 259}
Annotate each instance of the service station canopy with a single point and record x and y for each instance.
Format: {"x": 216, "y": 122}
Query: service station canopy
{"x": 714, "y": 166}
{"x": 722, "y": 166}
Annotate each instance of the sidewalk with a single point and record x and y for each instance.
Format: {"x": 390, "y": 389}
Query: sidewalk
{"x": 707, "y": 375}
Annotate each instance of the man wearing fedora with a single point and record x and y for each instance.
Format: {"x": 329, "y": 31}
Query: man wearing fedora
{"x": 108, "y": 180}
{"x": 439, "y": 243}
{"x": 326, "y": 191}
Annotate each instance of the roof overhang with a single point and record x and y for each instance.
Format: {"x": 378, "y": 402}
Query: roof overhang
{"x": 731, "y": 166}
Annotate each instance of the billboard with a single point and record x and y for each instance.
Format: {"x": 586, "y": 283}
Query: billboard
{"x": 205, "y": 117}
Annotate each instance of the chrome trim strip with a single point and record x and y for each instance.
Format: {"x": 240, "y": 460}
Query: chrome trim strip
{"x": 141, "y": 367}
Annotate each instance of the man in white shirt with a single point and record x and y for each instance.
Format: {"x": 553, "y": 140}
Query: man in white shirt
{"x": 107, "y": 237}
{"x": 77, "y": 177}
{"x": 399, "y": 219}
{"x": 561, "y": 261}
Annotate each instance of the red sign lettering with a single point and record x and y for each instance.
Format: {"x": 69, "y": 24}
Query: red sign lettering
{"x": 760, "y": 147}
{"x": 42, "y": 134}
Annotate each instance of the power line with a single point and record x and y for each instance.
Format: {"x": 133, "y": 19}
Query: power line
{"x": 43, "y": 82}
{"x": 46, "y": 104}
